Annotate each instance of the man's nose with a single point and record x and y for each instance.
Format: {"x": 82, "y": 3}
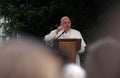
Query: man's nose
{"x": 67, "y": 24}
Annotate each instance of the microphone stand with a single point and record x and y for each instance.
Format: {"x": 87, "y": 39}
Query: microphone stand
{"x": 60, "y": 34}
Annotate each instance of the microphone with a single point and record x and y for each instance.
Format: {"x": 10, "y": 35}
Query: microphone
{"x": 61, "y": 34}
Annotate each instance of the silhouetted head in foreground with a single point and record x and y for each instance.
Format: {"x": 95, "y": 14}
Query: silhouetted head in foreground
{"x": 103, "y": 60}
{"x": 72, "y": 70}
{"x": 21, "y": 59}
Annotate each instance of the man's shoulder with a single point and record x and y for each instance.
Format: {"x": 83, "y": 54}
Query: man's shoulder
{"x": 74, "y": 30}
{"x": 53, "y": 30}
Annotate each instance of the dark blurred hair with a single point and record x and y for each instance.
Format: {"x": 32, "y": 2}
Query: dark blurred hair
{"x": 103, "y": 60}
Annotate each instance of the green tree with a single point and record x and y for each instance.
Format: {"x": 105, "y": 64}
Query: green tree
{"x": 39, "y": 17}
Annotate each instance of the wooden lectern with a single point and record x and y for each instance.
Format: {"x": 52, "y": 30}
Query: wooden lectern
{"x": 70, "y": 46}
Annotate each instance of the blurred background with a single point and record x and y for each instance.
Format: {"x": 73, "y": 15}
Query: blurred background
{"x": 39, "y": 17}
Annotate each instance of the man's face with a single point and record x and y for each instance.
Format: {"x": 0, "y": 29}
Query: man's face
{"x": 66, "y": 23}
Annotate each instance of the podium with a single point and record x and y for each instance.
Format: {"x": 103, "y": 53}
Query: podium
{"x": 69, "y": 46}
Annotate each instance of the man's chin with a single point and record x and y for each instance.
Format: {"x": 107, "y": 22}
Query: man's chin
{"x": 67, "y": 29}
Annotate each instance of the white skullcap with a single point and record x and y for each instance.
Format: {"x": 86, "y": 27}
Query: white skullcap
{"x": 63, "y": 18}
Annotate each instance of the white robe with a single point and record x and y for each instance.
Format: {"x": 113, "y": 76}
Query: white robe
{"x": 72, "y": 33}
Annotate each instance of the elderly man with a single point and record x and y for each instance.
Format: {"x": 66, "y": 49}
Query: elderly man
{"x": 65, "y": 31}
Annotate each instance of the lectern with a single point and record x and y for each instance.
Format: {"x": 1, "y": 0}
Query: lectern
{"x": 70, "y": 46}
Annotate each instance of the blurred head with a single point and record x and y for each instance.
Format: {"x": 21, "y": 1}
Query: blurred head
{"x": 66, "y": 23}
{"x": 28, "y": 60}
{"x": 73, "y": 71}
{"x": 103, "y": 60}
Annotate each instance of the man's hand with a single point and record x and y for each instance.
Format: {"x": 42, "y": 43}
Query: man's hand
{"x": 59, "y": 29}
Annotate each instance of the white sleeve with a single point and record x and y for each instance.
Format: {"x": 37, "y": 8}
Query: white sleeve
{"x": 77, "y": 34}
{"x": 51, "y": 35}
{"x": 82, "y": 49}
{"x": 83, "y": 45}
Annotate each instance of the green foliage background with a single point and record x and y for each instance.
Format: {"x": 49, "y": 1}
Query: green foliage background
{"x": 39, "y": 17}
